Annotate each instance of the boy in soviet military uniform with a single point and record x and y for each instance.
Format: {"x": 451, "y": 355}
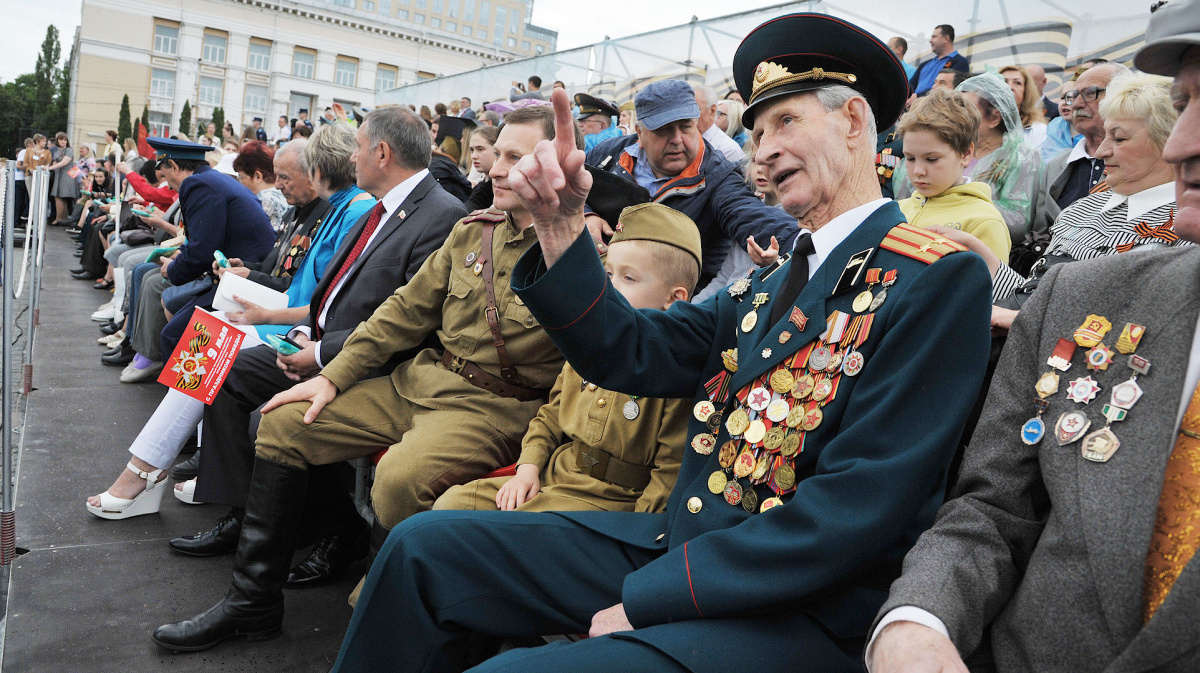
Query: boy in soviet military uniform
{"x": 596, "y": 449}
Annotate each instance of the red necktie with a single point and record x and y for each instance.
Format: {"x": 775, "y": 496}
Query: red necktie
{"x": 372, "y": 224}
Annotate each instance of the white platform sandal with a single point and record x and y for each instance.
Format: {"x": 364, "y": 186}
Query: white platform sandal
{"x": 146, "y": 502}
{"x": 187, "y": 492}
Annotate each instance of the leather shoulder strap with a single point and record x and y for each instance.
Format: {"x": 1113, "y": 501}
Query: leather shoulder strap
{"x": 507, "y": 372}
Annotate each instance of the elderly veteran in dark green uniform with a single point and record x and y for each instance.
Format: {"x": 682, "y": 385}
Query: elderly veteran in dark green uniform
{"x": 829, "y": 390}
{"x": 450, "y": 415}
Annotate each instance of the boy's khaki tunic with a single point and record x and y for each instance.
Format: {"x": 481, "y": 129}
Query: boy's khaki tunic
{"x": 441, "y": 429}
{"x": 578, "y": 423}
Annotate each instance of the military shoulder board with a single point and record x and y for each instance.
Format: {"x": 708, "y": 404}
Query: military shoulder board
{"x": 919, "y": 244}
{"x": 492, "y": 215}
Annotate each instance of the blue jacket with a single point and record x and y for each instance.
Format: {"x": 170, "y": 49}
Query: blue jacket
{"x": 870, "y": 476}
{"x": 921, "y": 81}
{"x": 714, "y": 194}
{"x": 218, "y": 213}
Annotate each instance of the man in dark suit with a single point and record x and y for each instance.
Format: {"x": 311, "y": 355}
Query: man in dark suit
{"x": 1073, "y": 174}
{"x": 393, "y": 152}
{"x": 817, "y": 451}
{"x": 1077, "y": 553}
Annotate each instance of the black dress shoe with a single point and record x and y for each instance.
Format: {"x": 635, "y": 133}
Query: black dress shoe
{"x": 188, "y": 469}
{"x": 124, "y": 355}
{"x": 103, "y": 284}
{"x": 329, "y": 558}
{"x": 110, "y": 327}
{"x": 222, "y": 538}
{"x": 218, "y": 623}
{"x": 79, "y": 270}
{"x": 85, "y": 275}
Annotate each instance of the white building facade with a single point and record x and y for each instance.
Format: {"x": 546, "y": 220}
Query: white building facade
{"x": 264, "y": 58}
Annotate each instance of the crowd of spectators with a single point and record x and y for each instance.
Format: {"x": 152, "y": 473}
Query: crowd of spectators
{"x": 386, "y": 322}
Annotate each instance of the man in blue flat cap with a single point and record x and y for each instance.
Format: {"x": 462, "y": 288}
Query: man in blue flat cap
{"x": 682, "y": 170}
{"x": 217, "y": 213}
{"x": 829, "y": 394}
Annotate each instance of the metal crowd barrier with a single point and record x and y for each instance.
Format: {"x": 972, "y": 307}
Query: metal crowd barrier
{"x": 14, "y": 279}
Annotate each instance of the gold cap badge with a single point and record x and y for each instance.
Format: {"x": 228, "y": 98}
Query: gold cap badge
{"x": 770, "y": 75}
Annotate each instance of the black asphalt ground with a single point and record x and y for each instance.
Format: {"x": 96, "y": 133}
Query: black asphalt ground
{"x": 89, "y": 592}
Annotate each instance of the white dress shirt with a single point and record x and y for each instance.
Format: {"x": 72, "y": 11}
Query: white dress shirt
{"x": 724, "y": 144}
{"x": 391, "y": 202}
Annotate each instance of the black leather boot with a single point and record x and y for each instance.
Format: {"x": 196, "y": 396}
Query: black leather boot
{"x": 253, "y": 608}
{"x": 330, "y": 557}
{"x": 222, "y": 538}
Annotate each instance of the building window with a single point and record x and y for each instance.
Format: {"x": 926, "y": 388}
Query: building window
{"x": 420, "y": 18}
{"x": 385, "y": 78}
{"x": 260, "y": 57}
{"x": 346, "y": 72}
{"x": 436, "y": 6}
{"x": 512, "y": 41}
{"x": 298, "y": 102}
{"x": 303, "y": 64}
{"x": 420, "y": 4}
{"x": 344, "y": 3}
{"x": 166, "y": 39}
{"x": 541, "y": 49}
{"x": 501, "y": 19}
{"x": 214, "y": 48}
{"x": 525, "y": 45}
{"x": 211, "y": 90}
{"x": 451, "y": 26}
{"x": 160, "y": 124}
{"x": 162, "y": 83}
{"x": 256, "y": 98}
{"x": 402, "y": 14}
{"x": 368, "y": 6}
{"x": 385, "y": 7}
{"x": 468, "y": 10}
{"x": 435, "y": 22}
{"x": 482, "y": 34}
{"x": 514, "y": 26}
{"x": 452, "y": 9}
{"x": 467, "y": 31}
{"x": 485, "y": 11}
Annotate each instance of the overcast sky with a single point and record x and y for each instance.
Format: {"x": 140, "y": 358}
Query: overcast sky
{"x": 25, "y": 22}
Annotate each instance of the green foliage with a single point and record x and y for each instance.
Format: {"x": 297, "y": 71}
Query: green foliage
{"x": 124, "y": 126}
{"x": 218, "y": 120}
{"x": 185, "y": 119}
{"x": 145, "y": 120}
{"x": 36, "y": 101}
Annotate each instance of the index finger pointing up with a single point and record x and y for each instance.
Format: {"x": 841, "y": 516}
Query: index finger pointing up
{"x": 564, "y": 124}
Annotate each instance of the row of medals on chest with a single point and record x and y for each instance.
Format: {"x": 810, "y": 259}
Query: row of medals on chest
{"x": 1099, "y": 445}
{"x": 768, "y": 427}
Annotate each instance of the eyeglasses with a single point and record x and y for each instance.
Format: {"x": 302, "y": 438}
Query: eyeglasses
{"x": 1089, "y": 94}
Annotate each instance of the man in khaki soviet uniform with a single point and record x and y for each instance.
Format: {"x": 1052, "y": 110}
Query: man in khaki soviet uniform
{"x": 446, "y": 418}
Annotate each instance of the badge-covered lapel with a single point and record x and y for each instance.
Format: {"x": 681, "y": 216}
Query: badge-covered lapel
{"x": 812, "y": 301}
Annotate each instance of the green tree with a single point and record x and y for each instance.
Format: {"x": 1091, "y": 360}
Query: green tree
{"x": 16, "y": 105}
{"x": 124, "y": 127}
{"x": 185, "y": 119}
{"x": 145, "y": 120}
{"x": 218, "y": 120}
{"x": 46, "y": 85}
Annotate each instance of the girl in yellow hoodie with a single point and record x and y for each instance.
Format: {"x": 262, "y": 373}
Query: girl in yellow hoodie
{"x": 939, "y": 136}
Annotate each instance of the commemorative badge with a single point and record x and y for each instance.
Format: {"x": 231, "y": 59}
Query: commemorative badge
{"x": 1100, "y": 357}
{"x": 1130, "y": 337}
{"x": 1083, "y": 390}
{"x": 1099, "y": 446}
{"x": 1070, "y": 427}
{"x": 1092, "y": 331}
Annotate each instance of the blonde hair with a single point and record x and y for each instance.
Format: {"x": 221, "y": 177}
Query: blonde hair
{"x": 1031, "y": 105}
{"x": 1143, "y": 97}
{"x": 947, "y": 115}
{"x": 674, "y": 265}
{"x": 328, "y": 151}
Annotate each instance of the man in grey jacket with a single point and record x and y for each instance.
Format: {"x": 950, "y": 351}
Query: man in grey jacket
{"x": 1075, "y": 553}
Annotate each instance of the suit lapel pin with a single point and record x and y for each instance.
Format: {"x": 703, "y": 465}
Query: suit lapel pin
{"x": 798, "y": 319}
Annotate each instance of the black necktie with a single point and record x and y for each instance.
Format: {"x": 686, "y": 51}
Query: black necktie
{"x": 796, "y": 280}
